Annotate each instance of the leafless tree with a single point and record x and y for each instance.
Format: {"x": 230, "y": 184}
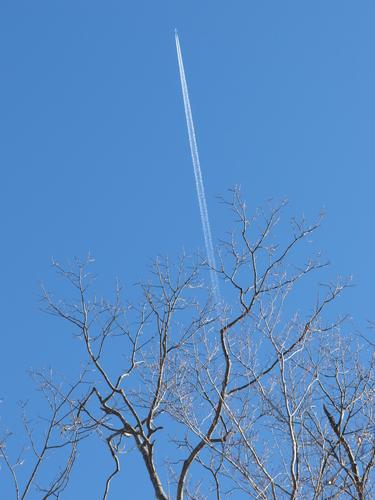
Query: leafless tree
{"x": 266, "y": 395}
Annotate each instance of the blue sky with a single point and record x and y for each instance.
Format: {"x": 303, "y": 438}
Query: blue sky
{"x": 94, "y": 153}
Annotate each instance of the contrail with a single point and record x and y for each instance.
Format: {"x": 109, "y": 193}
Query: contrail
{"x": 198, "y": 178}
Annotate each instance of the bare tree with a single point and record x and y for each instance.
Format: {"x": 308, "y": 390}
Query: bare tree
{"x": 264, "y": 395}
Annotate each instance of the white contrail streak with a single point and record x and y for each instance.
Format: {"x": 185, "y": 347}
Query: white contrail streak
{"x": 198, "y": 178}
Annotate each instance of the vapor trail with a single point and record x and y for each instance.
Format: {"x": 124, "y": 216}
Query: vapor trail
{"x": 198, "y": 177}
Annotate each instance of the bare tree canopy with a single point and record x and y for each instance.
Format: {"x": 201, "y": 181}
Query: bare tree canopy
{"x": 261, "y": 396}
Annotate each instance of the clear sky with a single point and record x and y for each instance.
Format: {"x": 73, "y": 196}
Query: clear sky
{"x": 94, "y": 153}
